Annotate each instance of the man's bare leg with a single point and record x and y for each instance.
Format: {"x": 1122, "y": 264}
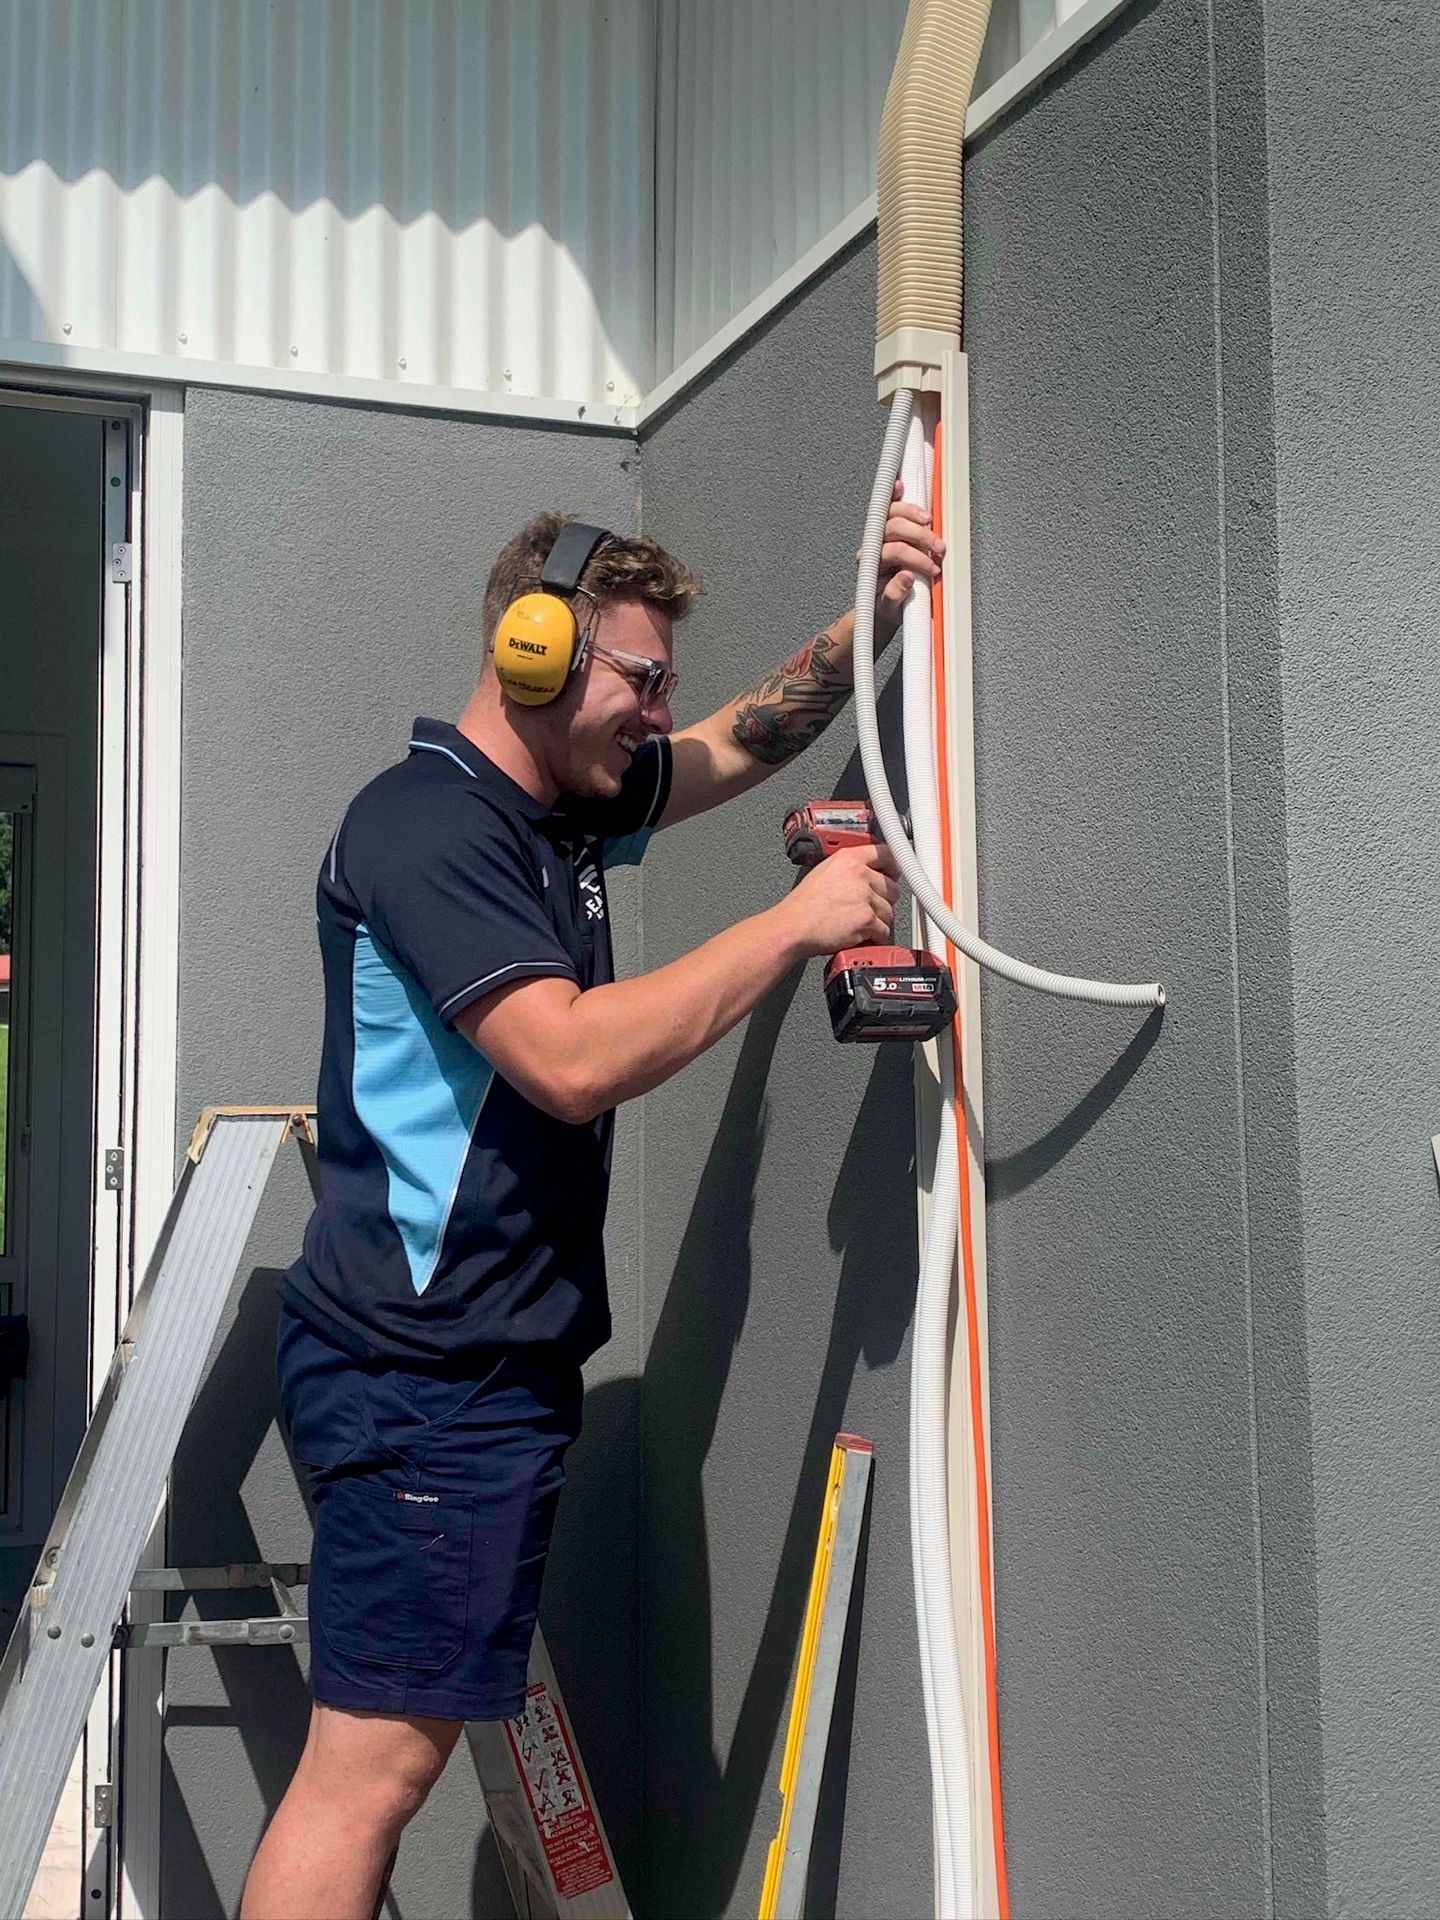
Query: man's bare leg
{"x": 361, "y": 1777}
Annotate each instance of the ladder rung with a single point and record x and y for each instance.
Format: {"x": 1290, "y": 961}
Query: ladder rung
{"x": 242, "y": 1574}
{"x": 282, "y": 1630}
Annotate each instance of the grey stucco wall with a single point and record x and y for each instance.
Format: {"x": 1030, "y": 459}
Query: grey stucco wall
{"x": 334, "y": 567}
{"x": 1154, "y": 1539}
{"x": 1354, "y": 99}
{"x": 778, "y": 1255}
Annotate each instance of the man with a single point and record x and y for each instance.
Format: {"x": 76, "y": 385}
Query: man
{"x": 476, "y": 1043}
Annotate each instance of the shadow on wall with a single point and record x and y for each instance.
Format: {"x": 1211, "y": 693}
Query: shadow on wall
{"x": 1011, "y": 1173}
{"x": 701, "y": 1809}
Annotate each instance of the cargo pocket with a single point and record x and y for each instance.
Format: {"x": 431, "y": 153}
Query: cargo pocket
{"x": 392, "y": 1570}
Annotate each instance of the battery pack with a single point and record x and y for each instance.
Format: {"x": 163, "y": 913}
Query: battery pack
{"x": 888, "y": 993}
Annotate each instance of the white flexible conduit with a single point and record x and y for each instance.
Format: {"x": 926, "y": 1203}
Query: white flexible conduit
{"x": 930, "y": 1547}
{"x": 1102, "y": 992}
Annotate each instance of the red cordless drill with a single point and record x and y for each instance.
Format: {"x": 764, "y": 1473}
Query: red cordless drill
{"x": 873, "y": 993}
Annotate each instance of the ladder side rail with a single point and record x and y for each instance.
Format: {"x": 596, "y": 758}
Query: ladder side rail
{"x": 112, "y": 1506}
{"x": 558, "y": 1861}
{"x": 98, "y": 1422}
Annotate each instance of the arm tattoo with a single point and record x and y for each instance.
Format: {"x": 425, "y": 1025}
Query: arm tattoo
{"x": 794, "y": 705}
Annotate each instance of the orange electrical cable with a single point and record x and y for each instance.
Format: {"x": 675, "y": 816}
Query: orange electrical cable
{"x": 967, "y": 1244}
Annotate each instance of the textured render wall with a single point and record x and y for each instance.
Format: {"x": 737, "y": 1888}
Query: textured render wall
{"x": 1140, "y": 1235}
{"x": 1353, "y": 104}
{"x": 334, "y": 566}
{"x": 1152, "y": 1535}
{"x": 778, "y": 1255}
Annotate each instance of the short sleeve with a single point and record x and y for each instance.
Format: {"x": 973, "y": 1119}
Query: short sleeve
{"x": 626, "y": 821}
{"x": 459, "y": 901}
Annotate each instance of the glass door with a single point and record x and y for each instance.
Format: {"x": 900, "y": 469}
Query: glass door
{"x": 17, "y": 812}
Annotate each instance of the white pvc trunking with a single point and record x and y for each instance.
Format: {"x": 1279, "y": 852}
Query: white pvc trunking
{"x": 960, "y": 886}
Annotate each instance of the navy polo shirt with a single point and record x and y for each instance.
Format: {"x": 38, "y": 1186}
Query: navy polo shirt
{"x": 454, "y": 1215}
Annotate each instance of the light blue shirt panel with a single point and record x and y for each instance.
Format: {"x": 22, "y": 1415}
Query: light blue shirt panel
{"x": 628, "y": 851}
{"x": 418, "y": 1089}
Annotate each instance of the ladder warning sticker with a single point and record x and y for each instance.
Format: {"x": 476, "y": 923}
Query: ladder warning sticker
{"x": 575, "y": 1849}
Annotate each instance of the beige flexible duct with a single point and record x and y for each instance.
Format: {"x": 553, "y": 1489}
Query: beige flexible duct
{"x": 922, "y": 142}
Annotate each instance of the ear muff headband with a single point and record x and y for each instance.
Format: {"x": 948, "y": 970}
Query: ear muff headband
{"x": 567, "y": 560}
{"x": 535, "y": 641}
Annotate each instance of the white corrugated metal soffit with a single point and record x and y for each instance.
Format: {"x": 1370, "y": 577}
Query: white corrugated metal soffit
{"x": 454, "y": 194}
{"x": 544, "y": 208}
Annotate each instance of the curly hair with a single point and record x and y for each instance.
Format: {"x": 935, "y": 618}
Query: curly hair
{"x": 621, "y": 568}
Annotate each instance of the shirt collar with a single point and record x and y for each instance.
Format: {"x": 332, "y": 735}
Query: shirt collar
{"x": 438, "y": 737}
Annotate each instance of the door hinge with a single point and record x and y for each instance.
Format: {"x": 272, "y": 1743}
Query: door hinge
{"x": 122, "y": 561}
{"x": 104, "y": 1804}
{"x": 114, "y": 1169}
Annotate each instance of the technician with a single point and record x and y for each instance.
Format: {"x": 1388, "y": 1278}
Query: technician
{"x": 476, "y": 1043}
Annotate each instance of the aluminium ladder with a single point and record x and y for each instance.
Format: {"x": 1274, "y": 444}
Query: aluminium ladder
{"x": 552, "y": 1842}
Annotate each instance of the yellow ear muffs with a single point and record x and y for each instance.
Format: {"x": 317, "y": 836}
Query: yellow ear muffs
{"x": 535, "y": 644}
{"x": 535, "y": 648}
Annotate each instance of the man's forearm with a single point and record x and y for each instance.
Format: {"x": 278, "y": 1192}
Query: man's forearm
{"x": 783, "y": 713}
{"x": 634, "y": 1034}
{"x": 734, "y": 748}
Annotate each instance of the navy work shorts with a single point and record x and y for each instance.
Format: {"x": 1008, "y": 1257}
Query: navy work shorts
{"x": 434, "y": 1495}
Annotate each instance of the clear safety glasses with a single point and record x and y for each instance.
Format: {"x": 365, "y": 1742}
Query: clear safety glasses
{"x": 651, "y": 679}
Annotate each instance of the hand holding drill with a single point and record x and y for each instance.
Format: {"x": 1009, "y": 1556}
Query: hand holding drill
{"x": 875, "y": 991}
{"x": 848, "y": 900}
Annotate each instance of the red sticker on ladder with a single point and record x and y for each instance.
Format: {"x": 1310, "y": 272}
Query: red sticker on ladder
{"x": 575, "y": 1849}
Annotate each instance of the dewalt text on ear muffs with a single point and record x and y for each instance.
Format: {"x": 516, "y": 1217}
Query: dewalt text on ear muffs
{"x": 536, "y": 644}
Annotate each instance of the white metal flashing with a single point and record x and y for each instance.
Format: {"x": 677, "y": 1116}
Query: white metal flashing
{"x": 764, "y": 304}
{"x": 144, "y": 370}
{"x": 1022, "y": 79}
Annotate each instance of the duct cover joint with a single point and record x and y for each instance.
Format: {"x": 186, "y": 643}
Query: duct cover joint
{"x": 911, "y": 357}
